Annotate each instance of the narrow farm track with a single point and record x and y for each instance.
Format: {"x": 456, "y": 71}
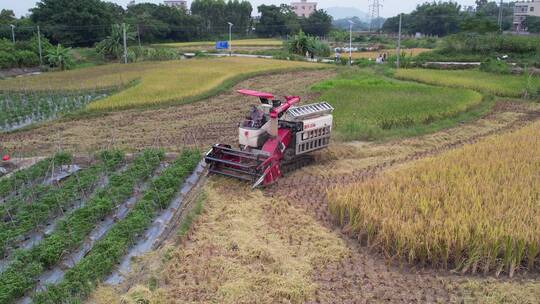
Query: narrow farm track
{"x": 199, "y": 124}
{"x": 365, "y": 277}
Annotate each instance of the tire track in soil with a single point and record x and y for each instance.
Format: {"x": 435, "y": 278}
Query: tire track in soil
{"x": 365, "y": 276}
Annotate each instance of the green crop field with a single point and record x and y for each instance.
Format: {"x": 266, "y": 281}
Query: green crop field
{"x": 121, "y": 178}
{"x": 494, "y": 84}
{"x": 369, "y": 106}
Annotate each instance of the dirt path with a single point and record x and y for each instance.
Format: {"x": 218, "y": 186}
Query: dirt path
{"x": 199, "y": 124}
{"x": 364, "y": 276}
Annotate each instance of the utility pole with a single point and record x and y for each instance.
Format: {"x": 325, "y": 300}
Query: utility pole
{"x": 230, "y": 38}
{"x": 374, "y": 9}
{"x": 350, "y": 41}
{"x": 125, "y": 43}
{"x": 501, "y": 16}
{"x": 398, "y": 62}
{"x": 139, "y": 35}
{"x": 39, "y": 46}
{"x": 12, "y": 32}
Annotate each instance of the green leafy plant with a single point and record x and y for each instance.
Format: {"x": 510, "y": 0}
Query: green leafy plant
{"x": 495, "y": 66}
{"x": 27, "y": 265}
{"x": 301, "y": 44}
{"x": 80, "y": 280}
{"x": 60, "y": 57}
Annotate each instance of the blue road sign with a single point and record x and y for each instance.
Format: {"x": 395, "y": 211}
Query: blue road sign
{"x": 222, "y": 45}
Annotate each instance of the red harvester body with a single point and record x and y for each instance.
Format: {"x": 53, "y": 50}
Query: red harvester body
{"x": 276, "y": 136}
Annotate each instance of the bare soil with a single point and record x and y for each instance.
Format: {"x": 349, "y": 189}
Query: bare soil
{"x": 199, "y": 124}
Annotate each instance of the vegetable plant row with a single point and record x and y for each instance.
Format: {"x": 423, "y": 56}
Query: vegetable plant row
{"x": 21, "y": 109}
{"x": 20, "y": 178}
{"x": 21, "y": 218}
{"x": 80, "y": 280}
{"x": 27, "y": 265}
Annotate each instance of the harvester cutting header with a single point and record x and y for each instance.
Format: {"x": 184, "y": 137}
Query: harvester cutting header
{"x": 276, "y": 137}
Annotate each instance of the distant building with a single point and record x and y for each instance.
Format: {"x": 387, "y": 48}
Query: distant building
{"x": 304, "y": 8}
{"x": 176, "y": 3}
{"x": 522, "y": 10}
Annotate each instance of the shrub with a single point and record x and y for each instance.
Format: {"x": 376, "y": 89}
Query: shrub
{"x": 26, "y": 58}
{"x": 7, "y": 60}
{"x": 301, "y": 44}
{"x": 495, "y": 66}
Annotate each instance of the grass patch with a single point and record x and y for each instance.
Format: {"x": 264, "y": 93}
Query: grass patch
{"x": 369, "y": 106}
{"x": 241, "y": 42}
{"x": 474, "y": 209}
{"x": 192, "y": 215}
{"x": 494, "y": 84}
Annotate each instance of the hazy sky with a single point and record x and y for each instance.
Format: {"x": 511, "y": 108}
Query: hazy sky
{"x": 390, "y": 8}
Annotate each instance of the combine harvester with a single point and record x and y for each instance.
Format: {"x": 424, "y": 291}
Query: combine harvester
{"x": 277, "y": 137}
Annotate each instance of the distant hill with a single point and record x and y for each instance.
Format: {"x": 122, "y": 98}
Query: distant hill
{"x": 347, "y": 12}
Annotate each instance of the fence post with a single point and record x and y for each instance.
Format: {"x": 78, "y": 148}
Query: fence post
{"x": 399, "y": 44}
{"x": 125, "y": 43}
{"x": 39, "y": 46}
{"x": 139, "y": 35}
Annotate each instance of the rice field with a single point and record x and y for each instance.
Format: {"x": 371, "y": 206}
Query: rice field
{"x": 474, "y": 209}
{"x": 240, "y": 42}
{"x": 373, "y": 55}
{"x": 489, "y": 83}
{"x": 370, "y": 106}
{"x": 153, "y": 83}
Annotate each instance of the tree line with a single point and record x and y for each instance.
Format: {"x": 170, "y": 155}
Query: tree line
{"x": 444, "y": 18}
{"x": 86, "y": 22}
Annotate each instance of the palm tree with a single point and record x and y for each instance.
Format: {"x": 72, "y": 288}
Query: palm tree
{"x": 60, "y": 57}
{"x": 113, "y": 46}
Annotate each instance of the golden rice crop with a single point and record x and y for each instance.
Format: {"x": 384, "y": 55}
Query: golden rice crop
{"x": 178, "y": 80}
{"x": 474, "y": 209}
{"x": 240, "y": 42}
{"x": 373, "y": 54}
{"x": 157, "y": 82}
{"x": 97, "y": 77}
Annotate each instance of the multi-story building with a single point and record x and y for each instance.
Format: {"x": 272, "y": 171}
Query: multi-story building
{"x": 176, "y": 3}
{"x": 304, "y": 8}
{"x": 522, "y": 10}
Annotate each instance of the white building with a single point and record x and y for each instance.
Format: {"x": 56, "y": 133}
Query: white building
{"x": 522, "y": 10}
{"x": 304, "y": 8}
{"x": 176, "y": 3}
